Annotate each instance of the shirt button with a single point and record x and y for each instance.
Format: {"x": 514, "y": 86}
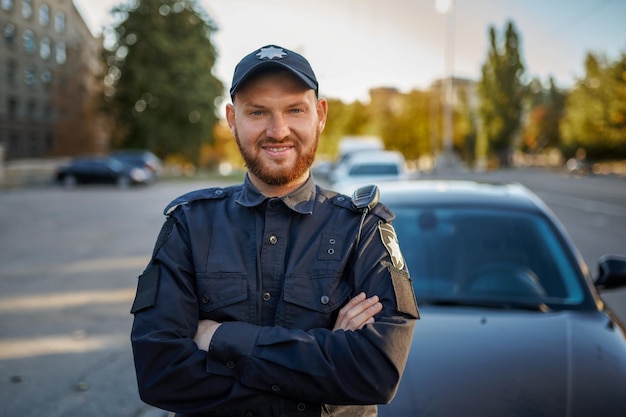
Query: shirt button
{"x": 325, "y": 299}
{"x": 273, "y": 239}
{"x": 266, "y": 296}
{"x": 248, "y": 414}
{"x": 205, "y": 299}
{"x": 230, "y": 364}
{"x": 275, "y": 388}
{"x": 301, "y": 406}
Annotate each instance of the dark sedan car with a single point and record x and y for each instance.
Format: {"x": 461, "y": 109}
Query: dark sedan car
{"x": 100, "y": 170}
{"x": 141, "y": 158}
{"x": 512, "y": 322}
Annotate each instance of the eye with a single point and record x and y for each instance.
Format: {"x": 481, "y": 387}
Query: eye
{"x": 257, "y": 113}
{"x": 296, "y": 111}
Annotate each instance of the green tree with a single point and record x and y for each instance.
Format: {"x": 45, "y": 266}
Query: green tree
{"x": 464, "y": 139}
{"x": 501, "y": 93}
{"x": 403, "y": 121}
{"x": 161, "y": 91}
{"x": 343, "y": 120}
{"x": 595, "y": 116}
{"x": 546, "y": 109}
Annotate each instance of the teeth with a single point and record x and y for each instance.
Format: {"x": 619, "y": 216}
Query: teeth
{"x": 284, "y": 148}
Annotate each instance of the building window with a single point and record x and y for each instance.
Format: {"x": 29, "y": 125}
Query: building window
{"x": 12, "y": 107}
{"x": 60, "y": 53}
{"x": 49, "y": 141}
{"x": 9, "y": 33}
{"x": 13, "y": 143}
{"x": 33, "y": 142}
{"x": 59, "y": 22}
{"x": 31, "y": 108}
{"x": 46, "y": 76}
{"x": 44, "y": 15}
{"x": 44, "y": 47}
{"x": 29, "y": 76}
{"x": 7, "y": 4}
{"x": 11, "y": 71}
{"x": 29, "y": 41}
{"x": 27, "y": 9}
{"x": 47, "y": 112}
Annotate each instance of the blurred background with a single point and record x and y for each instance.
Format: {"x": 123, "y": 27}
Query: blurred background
{"x": 529, "y": 91}
{"x": 483, "y": 84}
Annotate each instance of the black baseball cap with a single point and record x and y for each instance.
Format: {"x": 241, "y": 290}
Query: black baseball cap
{"x": 272, "y": 55}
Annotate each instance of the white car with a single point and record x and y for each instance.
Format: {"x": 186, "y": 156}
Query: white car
{"x": 366, "y": 168}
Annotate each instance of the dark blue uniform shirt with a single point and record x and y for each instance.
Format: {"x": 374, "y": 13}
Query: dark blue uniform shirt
{"x": 274, "y": 272}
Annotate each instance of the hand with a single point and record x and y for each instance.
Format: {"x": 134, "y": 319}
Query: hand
{"x": 358, "y": 312}
{"x": 204, "y": 334}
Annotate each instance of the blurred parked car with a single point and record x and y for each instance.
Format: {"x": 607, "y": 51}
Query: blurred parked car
{"x": 140, "y": 158}
{"x": 100, "y": 170}
{"x": 368, "y": 167}
{"x": 512, "y": 322}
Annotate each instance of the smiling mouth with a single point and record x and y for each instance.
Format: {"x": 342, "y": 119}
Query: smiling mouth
{"x": 277, "y": 149}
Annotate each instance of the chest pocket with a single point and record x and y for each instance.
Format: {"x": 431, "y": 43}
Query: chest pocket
{"x": 222, "y": 296}
{"x": 310, "y": 301}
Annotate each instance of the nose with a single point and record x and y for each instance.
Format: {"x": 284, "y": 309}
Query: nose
{"x": 278, "y": 128}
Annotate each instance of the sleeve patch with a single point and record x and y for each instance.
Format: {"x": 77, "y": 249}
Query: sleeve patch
{"x": 390, "y": 240}
{"x": 147, "y": 288}
{"x": 403, "y": 289}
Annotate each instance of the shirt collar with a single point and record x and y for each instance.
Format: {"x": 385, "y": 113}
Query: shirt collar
{"x": 301, "y": 200}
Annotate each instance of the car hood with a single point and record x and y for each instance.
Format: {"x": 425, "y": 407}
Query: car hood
{"x": 478, "y": 362}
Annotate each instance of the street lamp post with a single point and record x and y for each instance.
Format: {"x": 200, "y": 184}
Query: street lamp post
{"x": 447, "y": 157}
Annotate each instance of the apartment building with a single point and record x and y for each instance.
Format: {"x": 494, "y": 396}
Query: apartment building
{"x": 49, "y": 78}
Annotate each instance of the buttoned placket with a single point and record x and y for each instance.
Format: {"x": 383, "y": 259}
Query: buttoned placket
{"x": 272, "y": 257}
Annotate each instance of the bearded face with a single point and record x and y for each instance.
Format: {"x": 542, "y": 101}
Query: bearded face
{"x": 277, "y": 122}
{"x": 279, "y": 173}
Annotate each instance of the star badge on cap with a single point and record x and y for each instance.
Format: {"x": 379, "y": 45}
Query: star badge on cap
{"x": 388, "y": 236}
{"x": 271, "y": 52}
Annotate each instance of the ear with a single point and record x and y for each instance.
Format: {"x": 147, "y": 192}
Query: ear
{"x": 230, "y": 117}
{"x": 322, "y": 112}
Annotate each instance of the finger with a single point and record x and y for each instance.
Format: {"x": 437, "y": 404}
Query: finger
{"x": 347, "y": 311}
{"x": 355, "y": 314}
{"x": 355, "y": 306}
{"x": 364, "y": 316}
{"x": 354, "y": 301}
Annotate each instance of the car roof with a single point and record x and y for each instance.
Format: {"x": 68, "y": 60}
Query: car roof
{"x": 91, "y": 158}
{"x": 460, "y": 193}
{"x": 380, "y": 157}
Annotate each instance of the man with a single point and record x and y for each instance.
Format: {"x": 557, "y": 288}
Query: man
{"x": 274, "y": 297}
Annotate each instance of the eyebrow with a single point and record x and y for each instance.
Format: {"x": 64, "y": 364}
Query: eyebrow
{"x": 299, "y": 103}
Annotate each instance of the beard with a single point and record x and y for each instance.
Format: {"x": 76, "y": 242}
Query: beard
{"x": 282, "y": 175}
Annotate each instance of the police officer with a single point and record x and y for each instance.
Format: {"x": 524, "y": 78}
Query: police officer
{"x": 275, "y": 297}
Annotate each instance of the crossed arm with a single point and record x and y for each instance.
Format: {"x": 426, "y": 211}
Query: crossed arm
{"x": 358, "y": 312}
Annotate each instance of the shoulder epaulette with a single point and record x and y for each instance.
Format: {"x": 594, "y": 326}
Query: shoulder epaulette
{"x": 204, "y": 194}
{"x": 344, "y": 201}
{"x": 383, "y": 212}
{"x": 379, "y": 209}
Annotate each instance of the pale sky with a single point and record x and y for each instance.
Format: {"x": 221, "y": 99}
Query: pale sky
{"x": 355, "y": 45}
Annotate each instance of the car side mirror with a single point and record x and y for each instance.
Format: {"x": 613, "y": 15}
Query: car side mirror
{"x": 611, "y": 272}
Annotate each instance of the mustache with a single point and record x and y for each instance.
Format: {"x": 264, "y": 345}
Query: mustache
{"x": 269, "y": 141}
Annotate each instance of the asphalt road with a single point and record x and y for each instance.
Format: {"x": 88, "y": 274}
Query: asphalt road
{"x": 69, "y": 261}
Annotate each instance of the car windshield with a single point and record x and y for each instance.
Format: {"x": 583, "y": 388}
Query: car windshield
{"x": 485, "y": 257}
{"x": 374, "y": 169}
